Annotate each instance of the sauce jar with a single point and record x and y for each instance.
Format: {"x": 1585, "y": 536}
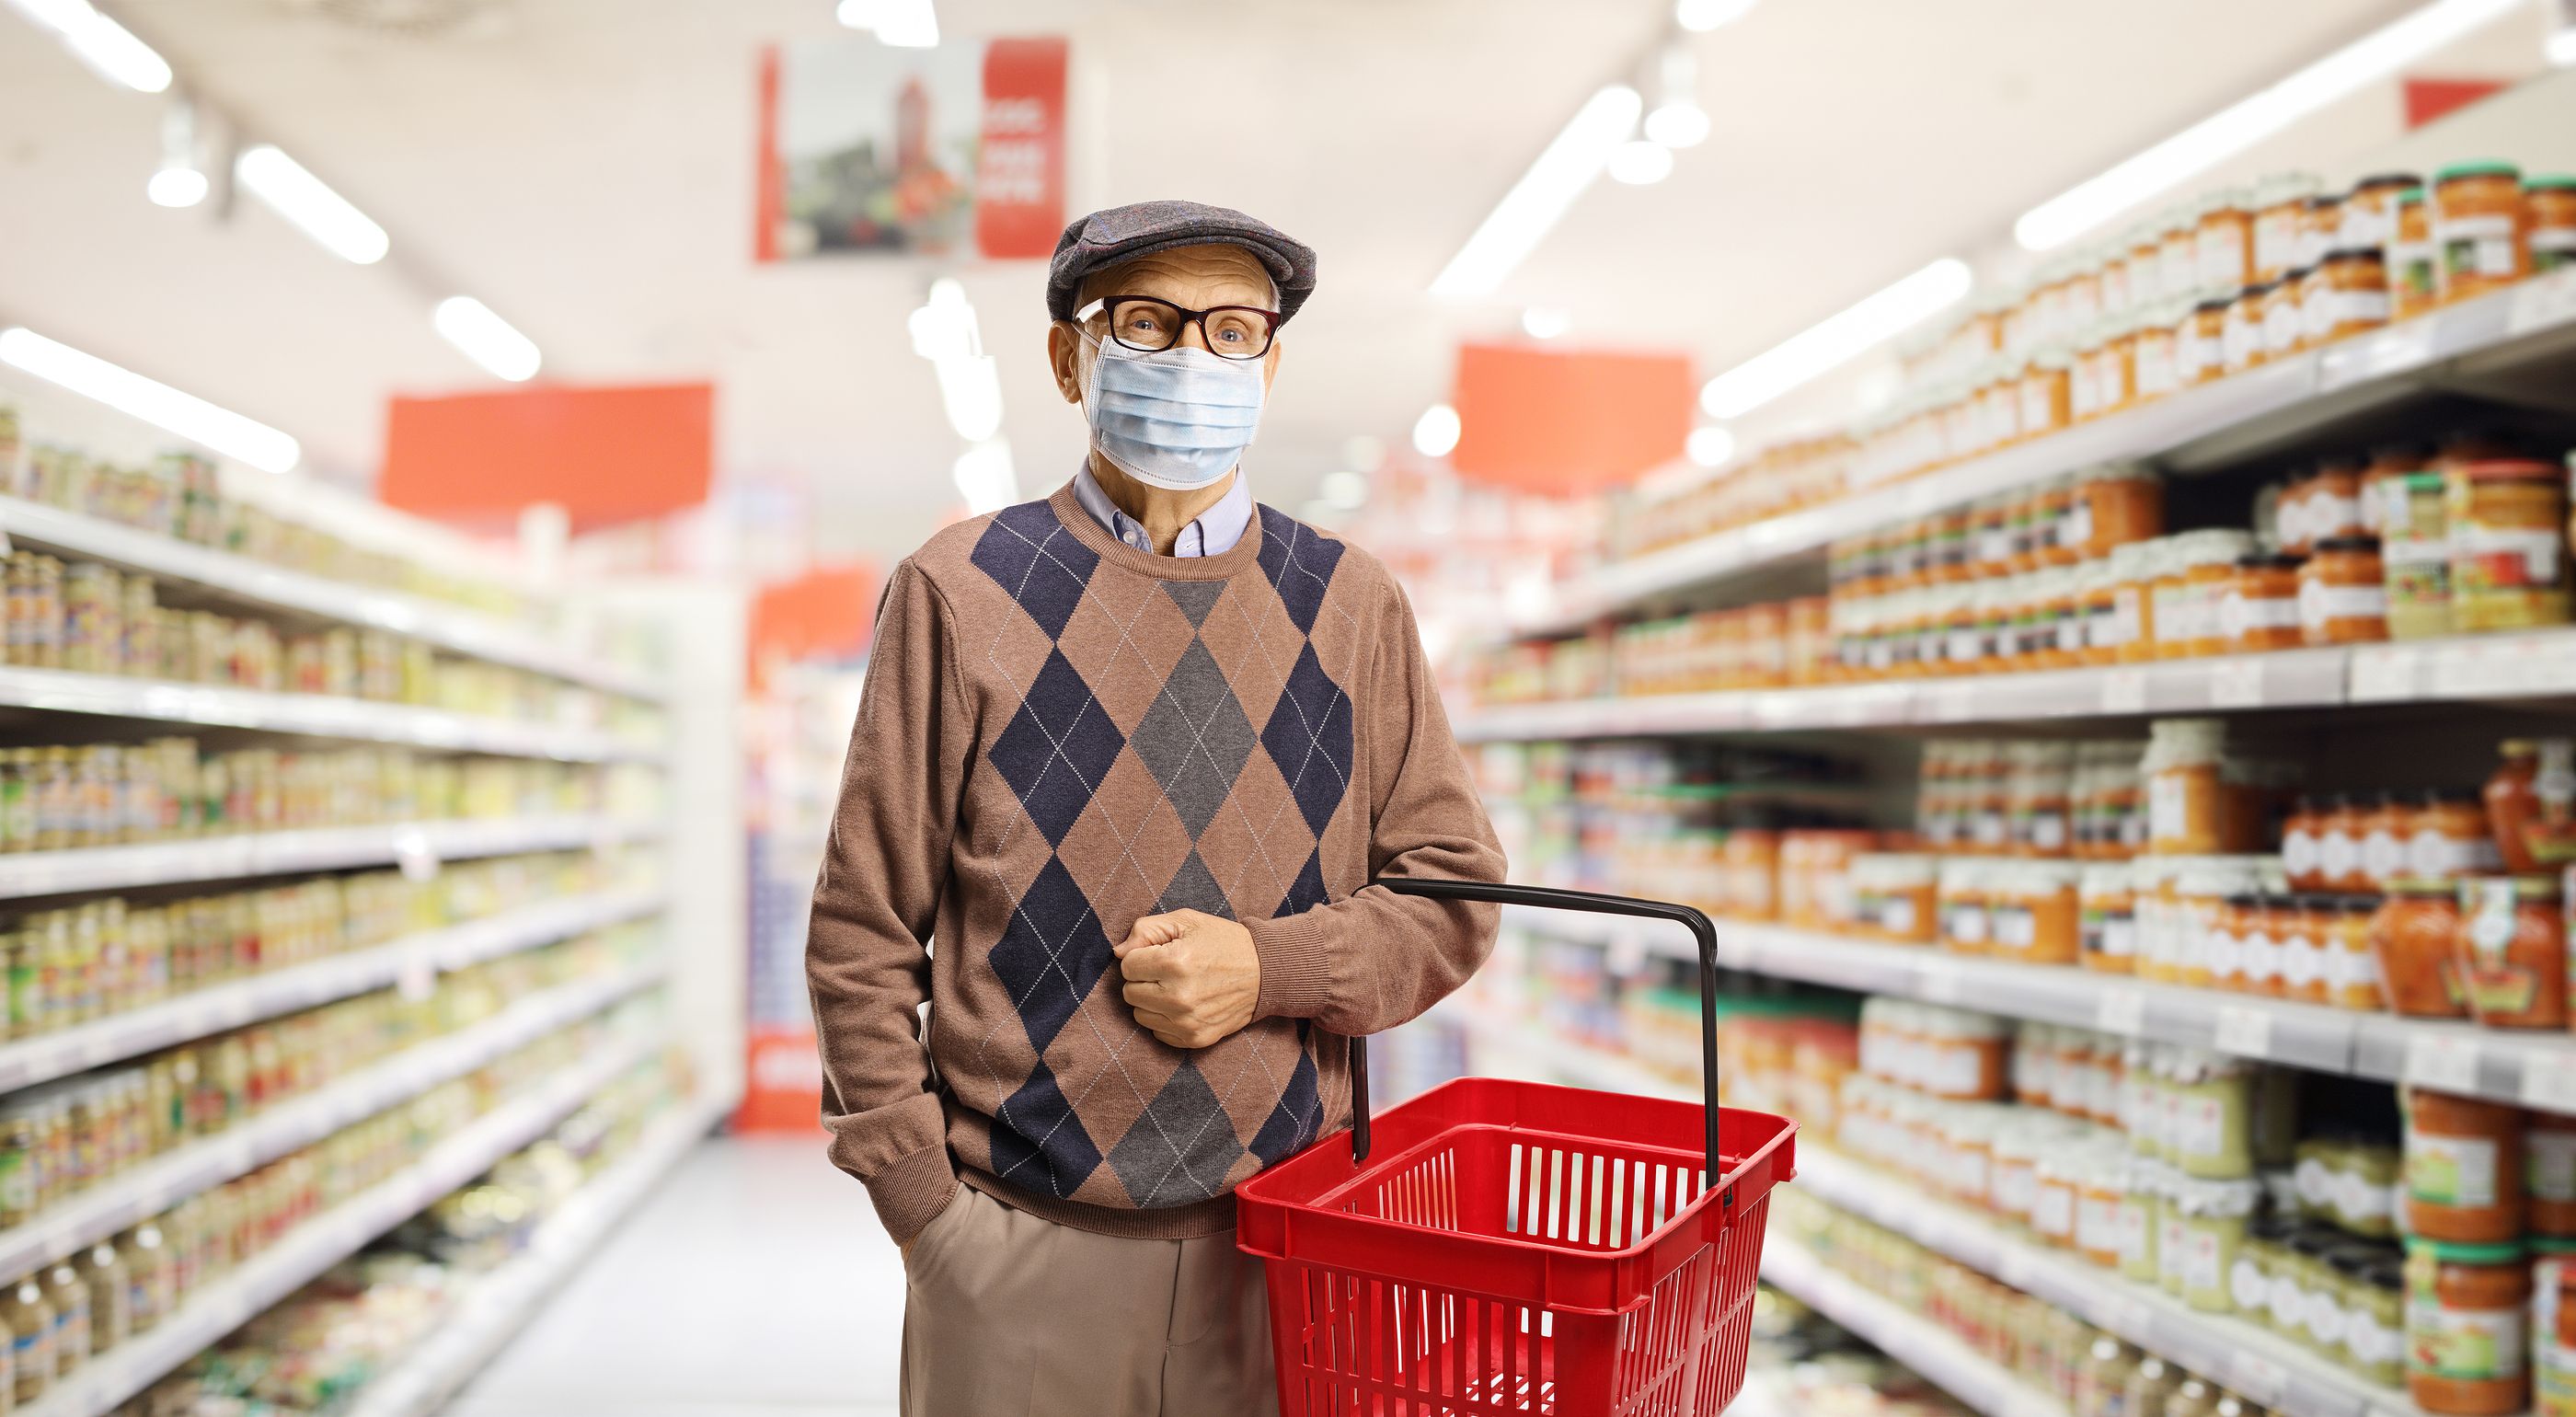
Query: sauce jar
{"x": 2047, "y": 393}
{"x": 2034, "y": 913}
{"x": 2200, "y": 354}
{"x": 2339, "y": 832}
{"x": 2412, "y": 934}
{"x": 2284, "y": 324}
{"x": 2186, "y": 808}
{"x": 2388, "y": 462}
{"x": 2369, "y": 210}
{"x": 2108, "y": 918}
{"x": 2260, "y": 610}
{"x": 2479, "y": 217}
{"x": 2553, "y": 222}
{"x": 2507, "y": 526}
{"x": 2300, "y": 926}
{"x": 2241, "y": 344}
{"x": 2414, "y": 263}
{"x": 2553, "y": 1328}
{"x": 2344, "y": 294}
{"x": 2207, "y": 562}
{"x": 2386, "y": 829}
{"x": 2280, "y": 206}
{"x": 2512, "y": 951}
{"x": 2464, "y": 1168}
{"x": 2549, "y": 1175}
{"x": 2352, "y": 962}
{"x": 2416, "y": 554}
{"x": 2466, "y": 1309}
{"x": 2343, "y": 593}
{"x": 2223, "y": 240}
{"x": 2447, "y": 837}
{"x": 2531, "y": 804}
{"x": 2374, "y": 1335}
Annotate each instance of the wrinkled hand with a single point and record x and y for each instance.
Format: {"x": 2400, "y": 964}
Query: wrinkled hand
{"x": 1192, "y": 978}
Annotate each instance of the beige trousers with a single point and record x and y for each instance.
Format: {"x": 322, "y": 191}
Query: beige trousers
{"x": 1007, "y": 1315}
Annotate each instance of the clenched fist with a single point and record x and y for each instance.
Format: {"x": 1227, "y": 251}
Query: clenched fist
{"x": 1192, "y": 978}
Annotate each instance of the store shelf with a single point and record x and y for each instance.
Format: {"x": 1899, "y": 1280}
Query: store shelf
{"x": 2541, "y": 664}
{"x": 242, "y": 579}
{"x": 40, "y": 873}
{"x": 225, "y": 1006}
{"x": 146, "y": 1191}
{"x": 2280, "y": 1375}
{"x": 2233, "y": 418}
{"x": 1929, "y": 1350}
{"x": 487, "y": 1317}
{"x": 317, "y": 715}
{"x": 2536, "y": 1069}
{"x": 268, "y": 1277}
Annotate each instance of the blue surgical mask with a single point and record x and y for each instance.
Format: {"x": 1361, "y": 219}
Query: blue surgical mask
{"x": 1177, "y": 418}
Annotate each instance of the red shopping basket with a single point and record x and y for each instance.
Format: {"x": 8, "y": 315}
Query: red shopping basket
{"x": 1504, "y": 1247}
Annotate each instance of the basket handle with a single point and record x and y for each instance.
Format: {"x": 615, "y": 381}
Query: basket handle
{"x": 1551, "y": 898}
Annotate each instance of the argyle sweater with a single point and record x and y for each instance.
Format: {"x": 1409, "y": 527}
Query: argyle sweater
{"x": 1060, "y": 734}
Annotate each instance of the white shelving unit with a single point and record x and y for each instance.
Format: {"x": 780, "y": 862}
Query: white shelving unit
{"x": 495, "y": 1310}
{"x": 1902, "y": 1335}
{"x": 219, "y": 1308}
{"x": 252, "y": 583}
{"x": 2535, "y": 1069}
{"x": 311, "y": 715}
{"x": 146, "y": 1191}
{"x": 226, "y": 1006}
{"x": 2512, "y": 330}
{"x": 222, "y": 858}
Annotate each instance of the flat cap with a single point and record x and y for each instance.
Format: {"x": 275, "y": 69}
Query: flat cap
{"x": 1105, "y": 238}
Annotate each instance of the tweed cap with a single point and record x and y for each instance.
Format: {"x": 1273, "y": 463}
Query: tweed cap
{"x": 1105, "y": 238}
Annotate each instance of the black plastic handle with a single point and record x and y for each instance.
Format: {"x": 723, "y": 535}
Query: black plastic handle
{"x": 1550, "y": 898}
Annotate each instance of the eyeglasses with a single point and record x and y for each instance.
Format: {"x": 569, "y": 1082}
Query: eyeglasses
{"x": 1148, "y": 325}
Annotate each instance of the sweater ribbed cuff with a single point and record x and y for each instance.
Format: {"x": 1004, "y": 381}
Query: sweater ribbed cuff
{"x": 1296, "y": 967}
{"x": 911, "y": 1193}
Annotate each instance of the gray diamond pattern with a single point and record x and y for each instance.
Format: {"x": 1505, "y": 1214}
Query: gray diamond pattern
{"x": 1180, "y": 1150}
{"x": 1196, "y": 598}
{"x": 1194, "y": 887}
{"x": 1195, "y": 739}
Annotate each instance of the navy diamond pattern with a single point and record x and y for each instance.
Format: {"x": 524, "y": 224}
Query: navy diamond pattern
{"x": 1294, "y": 1122}
{"x": 1029, "y": 554}
{"x": 1052, "y": 954}
{"x": 1309, "y": 737}
{"x": 1038, "y": 1142}
{"x": 1307, "y": 891}
{"x": 1299, "y": 564}
{"x": 1057, "y": 747}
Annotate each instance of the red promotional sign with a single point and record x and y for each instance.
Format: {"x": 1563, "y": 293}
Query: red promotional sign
{"x": 1019, "y": 182}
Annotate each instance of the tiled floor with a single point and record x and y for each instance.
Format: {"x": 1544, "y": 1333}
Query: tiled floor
{"x": 755, "y": 1283}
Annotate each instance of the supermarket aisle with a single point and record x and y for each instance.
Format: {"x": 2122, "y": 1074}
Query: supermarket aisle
{"x": 756, "y": 1283}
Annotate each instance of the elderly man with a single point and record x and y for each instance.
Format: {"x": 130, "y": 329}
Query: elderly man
{"x": 1130, "y": 756}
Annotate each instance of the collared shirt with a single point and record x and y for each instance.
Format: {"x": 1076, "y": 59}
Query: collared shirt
{"x": 1213, "y": 534}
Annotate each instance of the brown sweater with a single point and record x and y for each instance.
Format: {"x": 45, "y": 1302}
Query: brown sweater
{"x": 1060, "y": 734}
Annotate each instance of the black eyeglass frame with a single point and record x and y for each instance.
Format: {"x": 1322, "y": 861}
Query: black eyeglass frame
{"x": 1108, "y": 305}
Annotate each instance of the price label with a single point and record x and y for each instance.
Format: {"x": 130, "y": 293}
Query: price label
{"x": 2549, "y": 1081}
{"x": 2236, "y": 684}
{"x": 1939, "y": 984}
{"x": 2398, "y": 347}
{"x": 2245, "y": 1032}
{"x": 2124, "y": 1315}
{"x": 2124, "y": 691}
{"x": 2122, "y": 1011}
{"x": 2383, "y": 675}
{"x": 2256, "y": 1376}
{"x": 2443, "y": 1062}
{"x": 2541, "y": 302}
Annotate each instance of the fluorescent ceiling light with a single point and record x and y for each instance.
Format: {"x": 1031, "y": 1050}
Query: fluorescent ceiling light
{"x": 1710, "y": 446}
{"x": 190, "y": 417}
{"x": 104, "y": 45}
{"x": 176, "y": 187}
{"x": 1531, "y": 209}
{"x": 905, "y": 24}
{"x": 1679, "y": 124}
{"x": 2231, "y": 130}
{"x": 1707, "y": 15}
{"x": 1837, "y": 340}
{"x": 1545, "y": 322}
{"x": 1641, "y": 163}
{"x": 310, "y": 206}
{"x": 986, "y": 477}
{"x": 2560, "y": 47}
{"x": 486, "y": 338}
{"x": 1435, "y": 433}
{"x": 180, "y": 180}
{"x": 945, "y": 332}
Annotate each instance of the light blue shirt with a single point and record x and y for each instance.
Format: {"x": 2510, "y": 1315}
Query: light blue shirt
{"x": 1214, "y": 533}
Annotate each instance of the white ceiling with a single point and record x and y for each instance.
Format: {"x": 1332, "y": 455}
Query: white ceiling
{"x": 585, "y": 167}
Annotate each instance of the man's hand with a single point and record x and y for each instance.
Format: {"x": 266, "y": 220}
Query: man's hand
{"x": 1192, "y": 978}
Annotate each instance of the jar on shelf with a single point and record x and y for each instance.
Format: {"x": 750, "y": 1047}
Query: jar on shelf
{"x": 2034, "y": 915}
{"x": 2374, "y": 1338}
{"x": 2209, "y": 1228}
{"x": 2531, "y": 804}
{"x": 2447, "y": 837}
{"x": 2370, "y": 210}
{"x": 2285, "y": 326}
{"x": 2109, "y": 918}
{"x": 2209, "y": 1116}
{"x": 2467, "y": 1307}
{"x": 2047, "y": 392}
{"x": 2464, "y": 1168}
{"x": 2512, "y": 951}
{"x": 2344, "y": 294}
{"x": 2379, "y": 484}
{"x": 2328, "y": 505}
{"x": 2414, "y": 262}
{"x": 2552, "y": 201}
{"x": 2339, "y": 833}
{"x": 2553, "y": 1328}
{"x": 2189, "y": 811}
{"x": 2343, "y": 593}
{"x": 2302, "y": 838}
{"x": 2506, "y": 522}
{"x": 2260, "y": 609}
{"x": 2154, "y": 358}
{"x": 2241, "y": 340}
{"x": 2413, "y": 933}
{"x": 1894, "y": 896}
{"x": 2549, "y": 1175}
{"x": 2200, "y": 352}
{"x": 2352, "y": 959}
{"x": 2479, "y": 222}
{"x": 2416, "y": 551}
{"x": 2224, "y": 239}
{"x": 2207, "y": 561}
{"x": 2280, "y": 206}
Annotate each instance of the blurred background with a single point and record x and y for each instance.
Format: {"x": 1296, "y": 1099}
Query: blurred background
{"x": 2050, "y": 520}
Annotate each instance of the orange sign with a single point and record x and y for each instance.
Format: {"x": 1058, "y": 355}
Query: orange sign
{"x": 1561, "y": 423}
{"x": 606, "y": 455}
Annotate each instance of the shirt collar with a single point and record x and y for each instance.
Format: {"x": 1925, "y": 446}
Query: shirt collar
{"x": 1214, "y": 533}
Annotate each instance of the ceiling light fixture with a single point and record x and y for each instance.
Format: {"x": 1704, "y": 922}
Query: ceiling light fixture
{"x": 1435, "y": 433}
{"x": 486, "y": 338}
{"x": 1710, "y": 445}
{"x": 1705, "y": 15}
{"x": 2560, "y": 47}
{"x": 945, "y": 332}
{"x": 1545, "y": 322}
{"x": 1535, "y": 203}
{"x": 2239, "y": 126}
{"x": 1837, "y": 340}
{"x": 1676, "y": 121}
{"x": 180, "y": 180}
{"x": 310, "y": 206}
{"x": 1641, "y": 163}
{"x": 904, "y": 24}
{"x": 104, "y": 45}
{"x": 158, "y": 404}
{"x": 986, "y": 477}
{"x": 1681, "y": 123}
